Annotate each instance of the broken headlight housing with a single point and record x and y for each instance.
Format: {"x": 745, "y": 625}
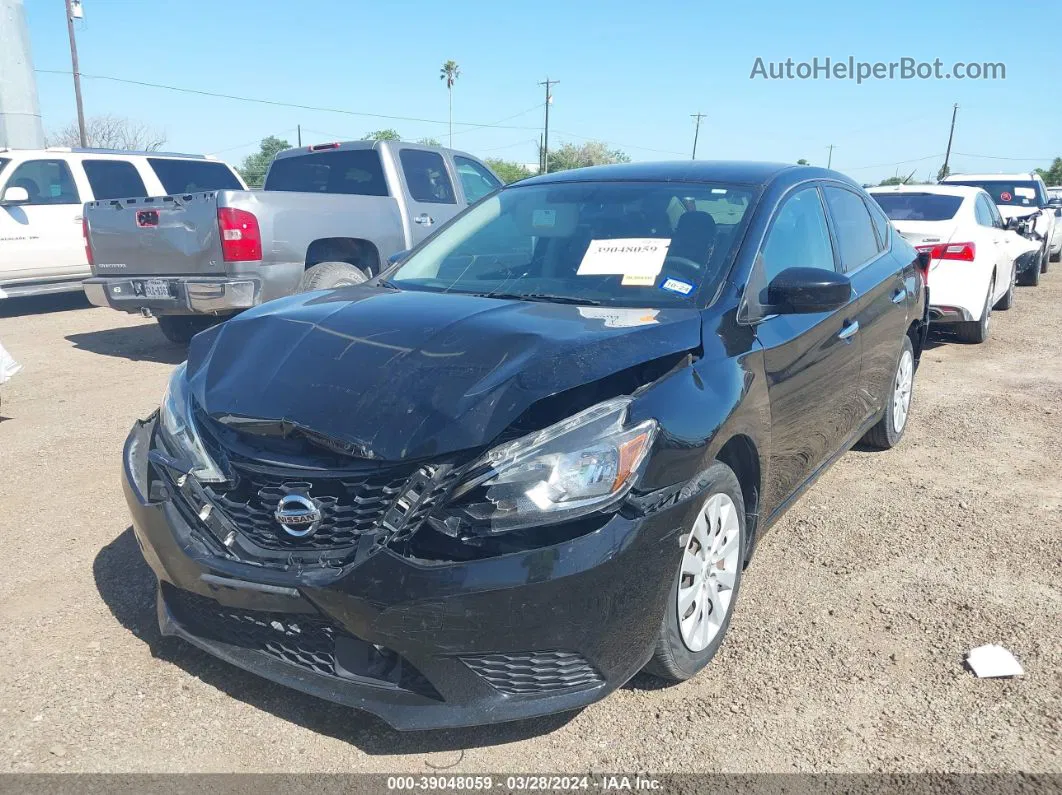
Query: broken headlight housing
{"x": 580, "y": 465}
{"x": 179, "y": 432}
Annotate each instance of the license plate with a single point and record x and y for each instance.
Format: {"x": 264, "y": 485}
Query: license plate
{"x": 156, "y": 288}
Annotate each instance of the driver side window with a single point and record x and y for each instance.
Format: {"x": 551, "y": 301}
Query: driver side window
{"x": 798, "y": 238}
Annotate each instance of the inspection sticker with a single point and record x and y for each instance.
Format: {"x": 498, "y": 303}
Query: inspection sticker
{"x": 675, "y": 286}
{"x": 638, "y": 280}
{"x": 625, "y": 256}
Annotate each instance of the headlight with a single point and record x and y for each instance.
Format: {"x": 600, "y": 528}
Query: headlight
{"x": 580, "y": 465}
{"x": 178, "y": 428}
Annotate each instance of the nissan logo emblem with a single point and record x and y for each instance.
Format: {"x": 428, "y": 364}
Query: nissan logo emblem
{"x": 298, "y": 515}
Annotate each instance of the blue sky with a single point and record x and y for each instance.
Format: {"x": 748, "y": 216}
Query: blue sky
{"x": 631, "y": 73}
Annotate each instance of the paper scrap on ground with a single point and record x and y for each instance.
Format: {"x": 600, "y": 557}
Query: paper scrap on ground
{"x": 624, "y": 256}
{"x": 993, "y": 661}
{"x": 8, "y": 366}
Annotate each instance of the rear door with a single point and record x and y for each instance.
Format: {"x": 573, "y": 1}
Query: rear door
{"x": 429, "y": 190}
{"x": 811, "y": 360}
{"x": 42, "y": 238}
{"x": 877, "y": 280}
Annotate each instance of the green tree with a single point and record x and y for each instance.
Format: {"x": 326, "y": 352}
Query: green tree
{"x": 383, "y": 135}
{"x": 803, "y": 162}
{"x": 944, "y": 172}
{"x": 591, "y": 153}
{"x": 1053, "y": 175}
{"x": 449, "y": 72}
{"x": 891, "y": 181}
{"x": 254, "y": 167}
{"x": 507, "y": 169}
{"x": 429, "y": 141}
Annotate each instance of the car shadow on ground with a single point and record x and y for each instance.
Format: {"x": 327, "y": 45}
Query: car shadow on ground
{"x": 144, "y": 343}
{"x": 127, "y": 587}
{"x": 43, "y": 304}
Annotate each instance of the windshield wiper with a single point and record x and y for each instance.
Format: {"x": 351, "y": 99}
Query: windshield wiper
{"x": 543, "y": 297}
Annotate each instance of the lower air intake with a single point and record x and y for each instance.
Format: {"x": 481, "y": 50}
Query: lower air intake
{"x": 523, "y": 673}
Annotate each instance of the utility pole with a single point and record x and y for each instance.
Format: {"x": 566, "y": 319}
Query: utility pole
{"x": 829, "y": 160}
{"x": 298, "y": 128}
{"x": 951, "y": 134}
{"x": 77, "y": 72}
{"x": 545, "y": 134}
{"x": 696, "y": 132}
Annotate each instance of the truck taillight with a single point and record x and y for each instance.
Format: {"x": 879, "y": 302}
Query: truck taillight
{"x": 964, "y": 252}
{"x": 241, "y": 239}
{"x": 88, "y": 243}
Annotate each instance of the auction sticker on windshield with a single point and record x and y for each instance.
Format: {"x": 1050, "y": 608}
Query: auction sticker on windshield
{"x": 625, "y": 256}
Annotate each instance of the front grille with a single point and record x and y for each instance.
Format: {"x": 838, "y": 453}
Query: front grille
{"x": 306, "y": 640}
{"x": 302, "y": 639}
{"x": 535, "y": 671}
{"x": 350, "y": 507}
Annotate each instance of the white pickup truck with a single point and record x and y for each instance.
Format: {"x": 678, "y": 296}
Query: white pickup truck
{"x": 328, "y": 215}
{"x": 43, "y": 191}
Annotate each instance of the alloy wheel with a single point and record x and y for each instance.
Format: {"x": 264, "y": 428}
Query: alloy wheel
{"x": 901, "y": 398}
{"x": 709, "y": 572}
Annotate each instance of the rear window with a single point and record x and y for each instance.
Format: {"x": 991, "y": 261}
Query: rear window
{"x": 190, "y": 176}
{"x": 113, "y": 179}
{"x": 918, "y": 206}
{"x": 1023, "y": 193}
{"x": 349, "y": 171}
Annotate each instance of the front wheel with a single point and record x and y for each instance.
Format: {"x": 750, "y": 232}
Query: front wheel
{"x": 889, "y": 430}
{"x": 705, "y": 587}
{"x": 1045, "y": 258}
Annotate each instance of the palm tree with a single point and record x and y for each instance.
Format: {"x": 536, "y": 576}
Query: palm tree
{"x": 450, "y": 72}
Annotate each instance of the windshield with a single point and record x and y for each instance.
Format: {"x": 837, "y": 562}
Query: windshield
{"x": 1009, "y": 193}
{"x": 918, "y": 206}
{"x": 617, "y": 243}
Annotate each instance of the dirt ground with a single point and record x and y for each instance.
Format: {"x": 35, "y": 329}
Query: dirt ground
{"x": 845, "y": 654}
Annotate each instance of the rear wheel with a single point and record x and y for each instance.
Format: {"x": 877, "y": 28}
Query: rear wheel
{"x": 1045, "y": 258}
{"x": 705, "y": 587}
{"x": 330, "y": 275}
{"x": 889, "y": 430}
{"x": 976, "y": 331}
{"x": 179, "y": 329}
{"x": 1007, "y": 301}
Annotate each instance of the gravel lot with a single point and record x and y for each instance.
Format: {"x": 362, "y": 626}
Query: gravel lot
{"x": 846, "y": 652}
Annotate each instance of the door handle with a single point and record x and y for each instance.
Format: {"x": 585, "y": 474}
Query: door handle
{"x": 424, "y": 220}
{"x": 849, "y": 331}
{"x": 898, "y": 296}
{"x": 78, "y": 219}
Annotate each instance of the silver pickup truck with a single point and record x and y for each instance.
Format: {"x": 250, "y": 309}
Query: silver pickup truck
{"x": 328, "y": 215}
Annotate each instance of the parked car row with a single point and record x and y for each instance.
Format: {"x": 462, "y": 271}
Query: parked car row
{"x": 497, "y": 475}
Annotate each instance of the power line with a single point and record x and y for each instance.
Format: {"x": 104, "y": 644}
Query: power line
{"x": 499, "y": 121}
{"x": 994, "y": 157}
{"x": 277, "y": 103}
{"x": 255, "y": 141}
{"x": 617, "y": 143}
{"x": 897, "y": 163}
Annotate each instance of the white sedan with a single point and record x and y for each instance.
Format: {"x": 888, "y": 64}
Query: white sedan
{"x": 974, "y": 261}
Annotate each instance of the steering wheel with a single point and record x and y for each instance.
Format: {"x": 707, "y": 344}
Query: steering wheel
{"x": 693, "y": 271}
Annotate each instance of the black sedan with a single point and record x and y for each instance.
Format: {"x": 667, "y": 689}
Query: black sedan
{"x": 535, "y": 456}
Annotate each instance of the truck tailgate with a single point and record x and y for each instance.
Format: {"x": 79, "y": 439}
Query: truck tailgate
{"x": 163, "y": 235}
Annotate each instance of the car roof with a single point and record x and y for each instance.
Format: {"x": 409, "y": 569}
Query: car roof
{"x": 75, "y": 150}
{"x": 942, "y": 190}
{"x": 990, "y": 177}
{"x": 733, "y": 171}
{"x": 346, "y": 146}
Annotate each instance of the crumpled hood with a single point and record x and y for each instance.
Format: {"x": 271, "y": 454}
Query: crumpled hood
{"x": 405, "y": 375}
{"x": 1010, "y": 211}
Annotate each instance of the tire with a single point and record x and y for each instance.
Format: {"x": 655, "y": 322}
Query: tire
{"x": 886, "y": 435}
{"x": 976, "y": 331}
{"x": 1007, "y": 301}
{"x": 1045, "y": 258}
{"x": 330, "y": 275}
{"x": 721, "y": 516}
{"x": 179, "y": 329}
{"x": 1031, "y": 278}
{"x": 1056, "y": 257}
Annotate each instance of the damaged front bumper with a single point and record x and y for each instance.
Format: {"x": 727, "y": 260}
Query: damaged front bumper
{"x": 422, "y": 644}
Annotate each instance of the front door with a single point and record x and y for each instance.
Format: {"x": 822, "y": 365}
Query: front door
{"x": 42, "y": 238}
{"x": 429, "y": 191}
{"x": 811, "y": 360}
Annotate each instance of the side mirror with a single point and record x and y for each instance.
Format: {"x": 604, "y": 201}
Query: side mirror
{"x": 397, "y": 257}
{"x": 1010, "y": 223}
{"x": 807, "y": 290}
{"x": 15, "y": 195}
{"x": 925, "y": 259}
